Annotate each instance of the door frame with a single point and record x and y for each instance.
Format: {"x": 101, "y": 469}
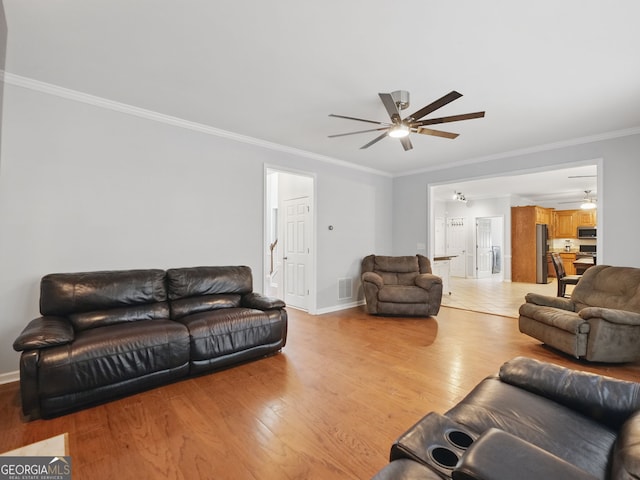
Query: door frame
{"x": 312, "y": 276}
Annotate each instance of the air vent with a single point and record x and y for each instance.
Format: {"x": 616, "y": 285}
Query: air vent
{"x": 345, "y": 288}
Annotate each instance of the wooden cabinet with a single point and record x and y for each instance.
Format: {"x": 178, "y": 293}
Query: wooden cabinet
{"x": 567, "y": 262}
{"x": 523, "y": 241}
{"x": 585, "y": 218}
{"x": 567, "y": 222}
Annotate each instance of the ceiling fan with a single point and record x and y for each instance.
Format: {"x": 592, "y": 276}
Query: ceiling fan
{"x": 587, "y": 203}
{"x": 400, "y": 128}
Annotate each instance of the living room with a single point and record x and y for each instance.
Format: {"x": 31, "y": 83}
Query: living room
{"x": 93, "y": 181}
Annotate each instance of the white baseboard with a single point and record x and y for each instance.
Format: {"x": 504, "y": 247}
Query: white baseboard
{"x": 9, "y": 377}
{"x": 337, "y": 308}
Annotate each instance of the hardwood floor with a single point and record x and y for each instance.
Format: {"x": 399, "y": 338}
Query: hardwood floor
{"x": 328, "y": 407}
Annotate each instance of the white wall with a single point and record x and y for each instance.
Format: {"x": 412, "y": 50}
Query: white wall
{"x": 86, "y": 188}
{"x": 490, "y": 207}
{"x": 619, "y": 224}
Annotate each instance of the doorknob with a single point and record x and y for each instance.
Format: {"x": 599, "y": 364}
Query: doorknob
{"x": 285, "y": 258}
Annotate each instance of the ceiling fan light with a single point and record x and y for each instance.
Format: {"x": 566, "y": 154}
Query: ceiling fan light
{"x": 399, "y": 131}
{"x": 588, "y": 205}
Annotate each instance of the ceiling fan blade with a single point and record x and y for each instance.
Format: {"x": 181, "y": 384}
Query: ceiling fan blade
{"x": 441, "y": 102}
{"x": 406, "y": 143}
{"x": 436, "y": 133}
{"x": 360, "y": 119}
{"x": 375, "y": 140}
{"x": 361, "y": 131}
{"x": 390, "y": 105}
{"x": 452, "y": 118}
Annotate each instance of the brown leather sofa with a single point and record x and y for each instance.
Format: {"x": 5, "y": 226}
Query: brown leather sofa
{"x": 600, "y": 322}
{"x": 534, "y": 420}
{"x": 103, "y": 335}
{"x": 403, "y": 285}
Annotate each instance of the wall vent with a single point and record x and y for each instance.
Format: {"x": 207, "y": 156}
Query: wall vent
{"x": 345, "y": 288}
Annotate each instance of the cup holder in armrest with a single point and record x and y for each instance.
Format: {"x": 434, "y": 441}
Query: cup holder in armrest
{"x": 435, "y": 441}
{"x": 443, "y": 457}
{"x": 459, "y": 439}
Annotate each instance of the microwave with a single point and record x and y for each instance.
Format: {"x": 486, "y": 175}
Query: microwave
{"x": 587, "y": 232}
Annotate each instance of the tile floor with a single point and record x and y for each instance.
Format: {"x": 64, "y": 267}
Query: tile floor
{"x": 491, "y": 295}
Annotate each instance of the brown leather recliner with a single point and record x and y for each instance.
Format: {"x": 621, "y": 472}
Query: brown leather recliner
{"x": 402, "y": 285}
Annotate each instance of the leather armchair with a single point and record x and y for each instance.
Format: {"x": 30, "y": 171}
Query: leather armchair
{"x": 534, "y": 420}
{"x": 600, "y": 322}
{"x": 403, "y": 285}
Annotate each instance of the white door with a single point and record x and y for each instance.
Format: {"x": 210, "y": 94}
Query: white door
{"x": 297, "y": 252}
{"x": 483, "y": 247}
{"x": 456, "y": 245}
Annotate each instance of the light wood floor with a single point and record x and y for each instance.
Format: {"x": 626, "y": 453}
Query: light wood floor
{"x": 328, "y": 407}
{"x": 492, "y": 295}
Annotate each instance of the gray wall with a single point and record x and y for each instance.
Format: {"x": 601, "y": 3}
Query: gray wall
{"x": 618, "y": 219}
{"x": 88, "y": 188}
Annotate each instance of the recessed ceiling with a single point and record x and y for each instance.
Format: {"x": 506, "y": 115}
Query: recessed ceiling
{"x": 544, "y": 71}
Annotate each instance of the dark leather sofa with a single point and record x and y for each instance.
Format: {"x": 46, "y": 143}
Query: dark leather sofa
{"x": 534, "y": 420}
{"x": 103, "y": 335}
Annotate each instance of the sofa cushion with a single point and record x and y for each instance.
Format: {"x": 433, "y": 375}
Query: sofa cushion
{"x": 204, "y": 303}
{"x": 66, "y": 293}
{"x": 608, "y": 287}
{"x": 134, "y": 313}
{"x": 403, "y": 294}
{"x": 555, "y": 317}
{"x": 555, "y": 428}
{"x": 109, "y": 355}
{"x": 197, "y": 281}
{"x": 404, "y": 264}
{"x": 226, "y": 331}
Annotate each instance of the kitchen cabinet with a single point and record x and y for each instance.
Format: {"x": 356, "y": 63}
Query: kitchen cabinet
{"x": 523, "y": 241}
{"x": 567, "y": 262}
{"x": 567, "y": 222}
{"x": 585, "y": 218}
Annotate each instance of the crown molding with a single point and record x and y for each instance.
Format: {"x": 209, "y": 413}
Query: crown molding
{"x": 55, "y": 90}
{"x": 529, "y": 150}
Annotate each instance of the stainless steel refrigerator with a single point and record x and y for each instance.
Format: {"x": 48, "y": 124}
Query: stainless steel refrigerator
{"x": 542, "y": 247}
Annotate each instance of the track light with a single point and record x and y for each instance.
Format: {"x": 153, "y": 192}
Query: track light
{"x": 459, "y": 197}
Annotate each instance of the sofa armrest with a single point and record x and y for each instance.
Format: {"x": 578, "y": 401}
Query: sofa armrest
{"x": 621, "y": 317}
{"x": 606, "y": 400}
{"x": 498, "y": 455}
{"x": 261, "y": 302}
{"x": 427, "y": 280}
{"x": 625, "y": 461}
{"x": 374, "y": 278}
{"x": 43, "y": 332}
{"x": 547, "y": 301}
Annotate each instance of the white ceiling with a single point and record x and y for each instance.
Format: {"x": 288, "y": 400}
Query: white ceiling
{"x": 545, "y": 72}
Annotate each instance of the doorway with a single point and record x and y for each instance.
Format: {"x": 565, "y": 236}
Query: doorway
{"x": 289, "y": 259}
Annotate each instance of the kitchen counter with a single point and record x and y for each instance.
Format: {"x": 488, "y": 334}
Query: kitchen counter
{"x": 582, "y": 264}
{"x": 444, "y": 257}
{"x": 441, "y": 266}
